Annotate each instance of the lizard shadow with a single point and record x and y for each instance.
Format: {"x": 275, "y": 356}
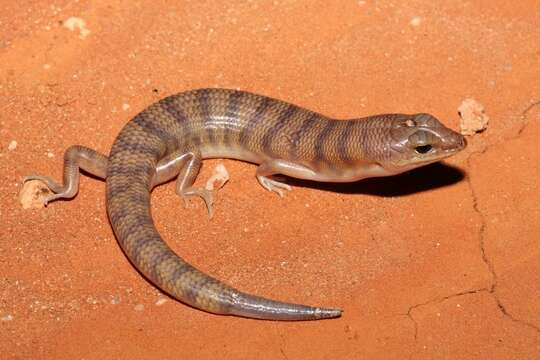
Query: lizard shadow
{"x": 414, "y": 181}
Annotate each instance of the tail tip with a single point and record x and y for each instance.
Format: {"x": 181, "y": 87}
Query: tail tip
{"x": 326, "y": 313}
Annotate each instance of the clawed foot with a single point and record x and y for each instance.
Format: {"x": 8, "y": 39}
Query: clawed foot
{"x": 203, "y": 193}
{"x": 274, "y": 185}
{"x": 57, "y": 191}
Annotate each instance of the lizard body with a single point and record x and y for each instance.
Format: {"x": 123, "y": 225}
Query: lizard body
{"x": 171, "y": 137}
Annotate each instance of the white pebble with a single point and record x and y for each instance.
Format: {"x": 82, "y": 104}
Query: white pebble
{"x": 73, "y": 23}
{"x": 12, "y": 145}
{"x": 473, "y": 117}
{"x": 7, "y": 317}
{"x": 115, "y": 300}
{"x": 416, "y": 21}
{"x": 161, "y": 301}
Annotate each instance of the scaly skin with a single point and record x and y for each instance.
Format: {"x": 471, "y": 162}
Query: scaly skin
{"x": 171, "y": 138}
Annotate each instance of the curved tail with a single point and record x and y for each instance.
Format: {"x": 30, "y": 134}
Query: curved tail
{"x": 130, "y": 169}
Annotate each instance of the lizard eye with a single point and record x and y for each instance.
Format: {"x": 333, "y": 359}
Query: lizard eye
{"x": 423, "y": 149}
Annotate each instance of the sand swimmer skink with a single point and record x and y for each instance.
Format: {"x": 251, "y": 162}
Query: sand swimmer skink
{"x": 171, "y": 137}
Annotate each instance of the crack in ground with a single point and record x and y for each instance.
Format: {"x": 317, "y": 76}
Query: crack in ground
{"x": 438, "y": 301}
{"x": 282, "y": 345}
{"x": 410, "y": 316}
{"x": 492, "y": 290}
{"x": 524, "y": 115}
{"x": 481, "y": 234}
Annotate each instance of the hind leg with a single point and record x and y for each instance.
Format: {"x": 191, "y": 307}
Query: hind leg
{"x": 76, "y": 158}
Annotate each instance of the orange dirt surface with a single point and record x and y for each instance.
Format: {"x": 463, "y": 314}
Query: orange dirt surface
{"x": 442, "y": 262}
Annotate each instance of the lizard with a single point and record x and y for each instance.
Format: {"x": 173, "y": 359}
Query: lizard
{"x": 169, "y": 140}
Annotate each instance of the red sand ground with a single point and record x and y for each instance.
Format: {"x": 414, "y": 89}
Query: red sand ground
{"x": 430, "y": 264}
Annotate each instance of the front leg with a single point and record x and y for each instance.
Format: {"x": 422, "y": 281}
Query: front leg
{"x": 76, "y": 158}
{"x": 267, "y": 169}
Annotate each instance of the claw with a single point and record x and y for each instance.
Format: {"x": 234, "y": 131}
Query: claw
{"x": 274, "y": 185}
{"x": 204, "y": 194}
{"x": 51, "y": 184}
{"x": 58, "y": 191}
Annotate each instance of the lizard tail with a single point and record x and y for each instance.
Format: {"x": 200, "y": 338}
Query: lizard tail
{"x": 130, "y": 169}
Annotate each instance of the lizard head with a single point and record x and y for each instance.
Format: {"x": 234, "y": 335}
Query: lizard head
{"x": 417, "y": 140}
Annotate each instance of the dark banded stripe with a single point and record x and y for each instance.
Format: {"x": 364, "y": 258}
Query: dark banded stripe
{"x": 146, "y": 121}
{"x": 120, "y": 212}
{"x": 194, "y": 142}
{"x": 196, "y": 281}
{"x": 161, "y": 255}
{"x": 320, "y": 143}
{"x": 296, "y": 137}
{"x": 163, "y": 265}
{"x": 255, "y": 119}
{"x": 138, "y": 198}
{"x": 154, "y": 150}
{"x": 235, "y": 99}
{"x": 180, "y": 270}
{"x": 140, "y": 170}
{"x": 203, "y": 100}
{"x": 363, "y": 136}
{"x": 170, "y": 105}
{"x": 343, "y": 144}
{"x": 271, "y": 134}
{"x": 145, "y": 243}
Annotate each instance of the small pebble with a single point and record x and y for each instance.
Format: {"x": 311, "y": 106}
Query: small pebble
{"x": 12, "y": 145}
{"x": 115, "y": 300}
{"x": 416, "y": 21}
{"x": 74, "y": 23}
{"x": 161, "y": 301}
{"x": 473, "y": 117}
{"x": 7, "y": 317}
